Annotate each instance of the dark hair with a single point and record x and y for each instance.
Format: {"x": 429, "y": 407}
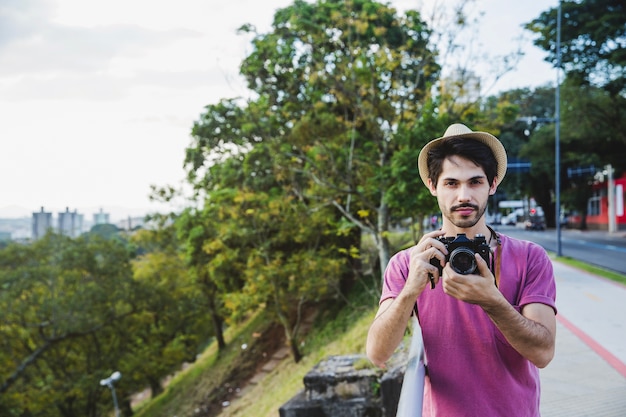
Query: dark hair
{"x": 470, "y": 149}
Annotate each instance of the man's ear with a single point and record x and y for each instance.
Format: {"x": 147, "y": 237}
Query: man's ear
{"x": 432, "y": 187}
{"x": 494, "y": 186}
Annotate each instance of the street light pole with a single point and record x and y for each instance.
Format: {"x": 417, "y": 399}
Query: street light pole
{"x": 115, "y": 376}
{"x": 557, "y": 145}
{"x": 611, "y": 199}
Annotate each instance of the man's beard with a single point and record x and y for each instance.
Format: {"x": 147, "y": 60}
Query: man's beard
{"x": 463, "y": 222}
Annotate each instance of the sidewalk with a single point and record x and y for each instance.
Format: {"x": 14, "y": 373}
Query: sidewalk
{"x": 588, "y": 374}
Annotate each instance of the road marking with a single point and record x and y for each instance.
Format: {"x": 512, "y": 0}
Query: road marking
{"x": 598, "y": 245}
{"x": 593, "y": 296}
{"x": 612, "y": 360}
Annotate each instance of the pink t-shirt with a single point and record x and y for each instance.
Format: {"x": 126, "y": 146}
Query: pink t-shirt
{"x": 472, "y": 369}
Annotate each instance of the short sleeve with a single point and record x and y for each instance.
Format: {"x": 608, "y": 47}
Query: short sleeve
{"x": 540, "y": 286}
{"x": 395, "y": 275}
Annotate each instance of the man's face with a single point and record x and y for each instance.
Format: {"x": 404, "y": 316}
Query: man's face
{"x": 462, "y": 191}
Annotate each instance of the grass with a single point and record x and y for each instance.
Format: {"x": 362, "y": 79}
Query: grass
{"x": 285, "y": 380}
{"x": 209, "y": 377}
{"x": 339, "y": 329}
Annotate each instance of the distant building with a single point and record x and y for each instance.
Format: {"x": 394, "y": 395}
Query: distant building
{"x": 131, "y": 223}
{"x": 101, "y": 218}
{"x": 42, "y": 222}
{"x": 70, "y": 223}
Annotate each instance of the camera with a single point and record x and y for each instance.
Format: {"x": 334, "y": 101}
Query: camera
{"x": 461, "y": 252}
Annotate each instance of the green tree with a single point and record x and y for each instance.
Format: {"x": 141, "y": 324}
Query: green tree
{"x": 290, "y": 264}
{"x": 342, "y": 78}
{"x": 343, "y": 103}
{"x": 587, "y": 139}
{"x": 169, "y": 327}
{"x": 517, "y": 114}
{"x": 75, "y": 310}
{"x": 65, "y": 304}
{"x": 106, "y": 231}
{"x": 214, "y": 266}
{"x": 252, "y": 220}
{"x": 593, "y": 41}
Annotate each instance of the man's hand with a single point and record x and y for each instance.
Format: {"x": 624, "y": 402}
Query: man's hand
{"x": 472, "y": 288}
{"x": 531, "y": 332}
{"x": 421, "y": 271}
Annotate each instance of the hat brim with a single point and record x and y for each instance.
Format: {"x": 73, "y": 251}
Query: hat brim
{"x": 488, "y": 139}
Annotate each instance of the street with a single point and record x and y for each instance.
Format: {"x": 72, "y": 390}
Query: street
{"x": 591, "y": 246}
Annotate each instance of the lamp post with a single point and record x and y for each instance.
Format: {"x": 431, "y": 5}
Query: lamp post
{"x": 557, "y": 138}
{"x": 557, "y": 145}
{"x": 115, "y": 376}
{"x": 611, "y": 198}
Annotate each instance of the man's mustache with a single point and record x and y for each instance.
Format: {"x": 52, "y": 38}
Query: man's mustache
{"x": 462, "y": 206}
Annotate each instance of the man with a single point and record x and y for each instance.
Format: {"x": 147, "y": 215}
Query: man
{"x": 485, "y": 333}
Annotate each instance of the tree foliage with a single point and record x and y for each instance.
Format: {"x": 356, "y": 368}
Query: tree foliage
{"x": 343, "y": 79}
{"x": 65, "y": 304}
{"x": 587, "y": 139}
{"x": 170, "y": 325}
{"x": 593, "y": 41}
{"x": 335, "y": 82}
{"x": 75, "y": 310}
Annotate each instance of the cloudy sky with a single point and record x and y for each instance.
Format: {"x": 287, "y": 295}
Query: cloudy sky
{"x": 97, "y": 97}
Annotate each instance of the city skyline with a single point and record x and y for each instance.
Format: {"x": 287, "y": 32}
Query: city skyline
{"x": 72, "y": 223}
{"x": 116, "y": 213}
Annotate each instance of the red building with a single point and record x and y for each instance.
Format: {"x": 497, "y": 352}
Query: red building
{"x": 598, "y": 206}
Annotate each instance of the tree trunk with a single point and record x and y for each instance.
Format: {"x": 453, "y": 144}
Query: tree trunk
{"x": 293, "y": 345}
{"x": 217, "y": 325}
{"x": 290, "y": 335}
{"x": 217, "y": 328}
{"x": 382, "y": 241}
{"x": 155, "y": 387}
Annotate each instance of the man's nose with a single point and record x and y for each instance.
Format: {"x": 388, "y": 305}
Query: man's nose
{"x": 464, "y": 193}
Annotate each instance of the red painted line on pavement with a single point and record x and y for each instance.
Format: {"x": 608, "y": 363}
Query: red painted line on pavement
{"x": 613, "y": 360}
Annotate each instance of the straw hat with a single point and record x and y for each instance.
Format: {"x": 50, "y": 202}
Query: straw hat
{"x": 461, "y": 131}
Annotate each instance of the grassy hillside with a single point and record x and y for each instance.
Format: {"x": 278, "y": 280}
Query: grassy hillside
{"x": 285, "y": 381}
{"x": 339, "y": 328}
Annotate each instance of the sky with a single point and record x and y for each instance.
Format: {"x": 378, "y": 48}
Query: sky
{"x": 97, "y": 98}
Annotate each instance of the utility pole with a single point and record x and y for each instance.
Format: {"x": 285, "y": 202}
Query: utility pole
{"x": 611, "y": 198}
{"x": 557, "y": 145}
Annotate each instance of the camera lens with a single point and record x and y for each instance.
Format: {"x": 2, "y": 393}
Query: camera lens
{"x": 462, "y": 261}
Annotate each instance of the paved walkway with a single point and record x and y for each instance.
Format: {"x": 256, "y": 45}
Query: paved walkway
{"x": 588, "y": 374}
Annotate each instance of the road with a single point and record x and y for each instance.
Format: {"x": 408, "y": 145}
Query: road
{"x": 594, "y": 247}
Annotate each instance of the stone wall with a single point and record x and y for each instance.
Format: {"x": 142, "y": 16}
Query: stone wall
{"x": 348, "y": 386}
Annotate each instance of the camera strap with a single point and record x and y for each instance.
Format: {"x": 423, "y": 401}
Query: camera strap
{"x": 497, "y": 257}
{"x": 498, "y": 260}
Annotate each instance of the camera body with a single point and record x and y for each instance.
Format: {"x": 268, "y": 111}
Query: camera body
{"x": 461, "y": 252}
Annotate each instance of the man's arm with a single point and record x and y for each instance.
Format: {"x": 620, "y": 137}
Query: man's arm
{"x": 387, "y": 330}
{"x": 532, "y": 332}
